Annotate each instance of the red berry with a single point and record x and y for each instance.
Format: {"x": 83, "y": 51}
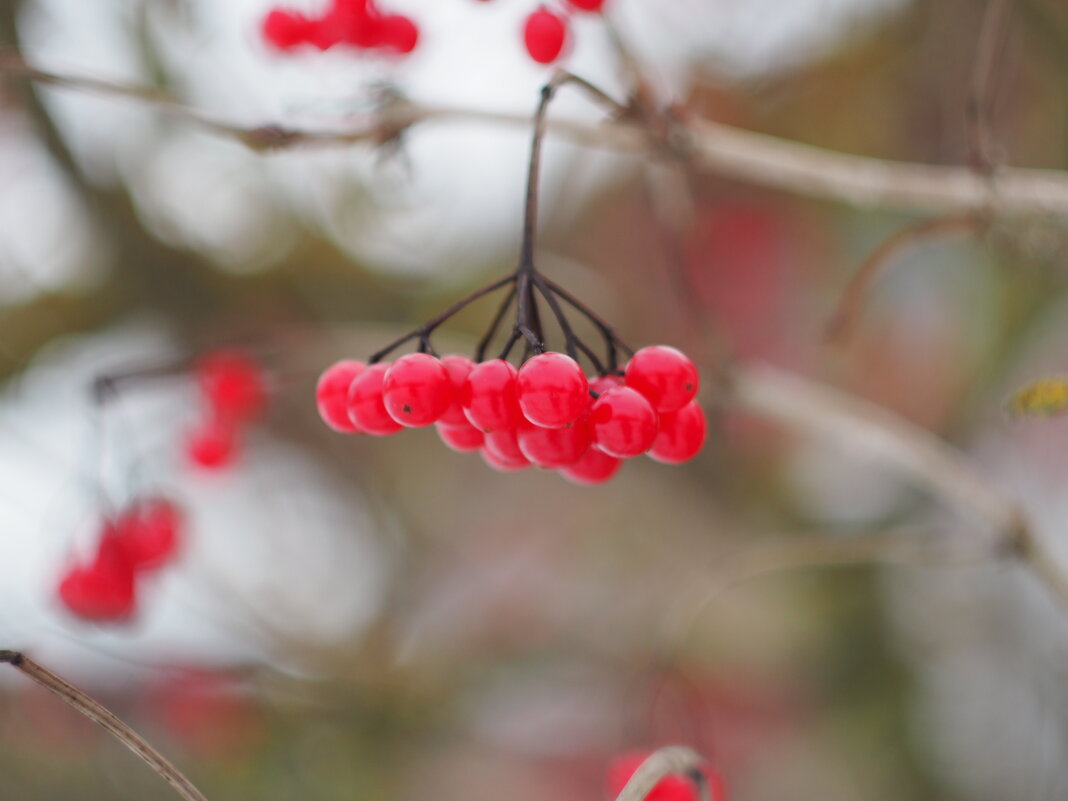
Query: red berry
{"x": 398, "y": 33}
{"x": 623, "y": 422}
{"x": 103, "y": 590}
{"x": 681, "y": 436}
{"x": 285, "y": 29}
{"x": 417, "y": 390}
{"x": 149, "y": 531}
{"x": 664, "y": 375}
{"x": 233, "y": 383}
{"x": 367, "y": 410}
{"x": 463, "y": 437}
{"x": 595, "y": 467}
{"x": 213, "y": 445}
{"x": 458, "y": 368}
{"x": 544, "y": 34}
{"x": 603, "y": 383}
{"x": 553, "y": 390}
{"x": 503, "y": 465}
{"x": 587, "y": 5}
{"x": 670, "y": 788}
{"x": 504, "y": 444}
{"x": 554, "y": 447}
{"x": 489, "y": 396}
{"x": 332, "y": 394}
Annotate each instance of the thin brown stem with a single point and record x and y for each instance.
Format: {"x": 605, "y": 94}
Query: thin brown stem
{"x": 979, "y": 106}
{"x": 674, "y": 760}
{"x": 102, "y": 716}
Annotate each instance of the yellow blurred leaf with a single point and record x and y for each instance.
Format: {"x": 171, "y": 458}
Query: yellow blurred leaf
{"x": 1043, "y": 398}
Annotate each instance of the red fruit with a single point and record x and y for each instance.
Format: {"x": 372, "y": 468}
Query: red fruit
{"x": 353, "y": 24}
{"x": 623, "y": 423}
{"x": 285, "y": 29}
{"x": 587, "y": 5}
{"x": 398, "y": 33}
{"x": 503, "y": 465}
{"x": 332, "y": 394}
{"x": 670, "y": 788}
{"x": 213, "y": 445}
{"x": 463, "y": 438}
{"x": 681, "y": 436}
{"x": 504, "y": 444}
{"x": 489, "y": 396}
{"x": 233, "y": 383}
{"x": 595, "y": 467}
{"x": 458, "y": 368}
{"x": 603, "y": 383}
{"x": 367, "y": 410}
{"x": 553, "y": 390}
{"x": 417, "y": 390}
{"x": 103, "y": 590}
{"x": 554, "y": 447}
{"x": 150, "y": 531}
{"x": 544, "y": 34}
{"x": 664, "y": 375}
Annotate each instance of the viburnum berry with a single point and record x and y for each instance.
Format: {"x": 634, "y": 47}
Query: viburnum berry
{"x": 670, "y": 788}
{"x": 664, "y": 375}
{"x": 332, "y": 394}
{"x": 104, "y": 589}
{"x": 489, "y": 396}
{"x": 150, "y": 532}
{"x": 544, "y": 35}
{"x": 367, "y": 409}
{"x": 458, "y": 367}
{"x": 416, "y": 390}
{"x": 681, "y": 436}
{"x": 398, "y": 33}
{"x": 595, "y": 467}
{"x": 212, "y": 445}
{"x": 623, "y": 423}
{"x": 504, "y": 444}
{"x": 603, "y": 383}
{"x": 552, "y": 390}
{"x": 554, "y": 447}
{"x": 462, "y": 437}
{"x": 503, "y": 465}
{"x": 286, "y": 29}
{"x": 587, "y": 5}
{"x": 233, "y": 384}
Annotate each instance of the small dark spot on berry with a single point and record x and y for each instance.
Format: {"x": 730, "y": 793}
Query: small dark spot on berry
{"x": 689, "y": 387}
{"x": 407, "y": 409}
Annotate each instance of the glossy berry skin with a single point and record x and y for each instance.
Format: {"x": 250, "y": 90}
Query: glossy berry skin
{"x": 682, "y": 434}
{"x": 670, "y": 788}
{"x": 367, "y": 410}
{"x": 587, "y": 5}
{"x": 603, "y": 383}
{"x": 104, "y": 589}
{"x": 150, "y": 532}
{"x": 285, "y": 29}
{"x": 212, "y": 446}
{"x": 595, "y": 467}
{"x": 417, "y": 390}
{"x": 664, "y": 375}
{"x": 458, "y": 367}
{"x": 623, "y": 423}
{"x": 332, "y": 394}
{"x": 553, "y": 390}
{"x": 544, "y": 35}
{"x": 489, "y": 396}
{"x": 503, "y": 465}
{"x": 463, "y": 438}
{"x": 554, "y": 447}
{"x": 233, "y": 384}
{"x": 504, "y": 444}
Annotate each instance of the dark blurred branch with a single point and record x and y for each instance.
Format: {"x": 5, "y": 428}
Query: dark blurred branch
{"x": 102, "y": 716}
{"x": 978, "y": 109}
{"x": 708, "y": 146}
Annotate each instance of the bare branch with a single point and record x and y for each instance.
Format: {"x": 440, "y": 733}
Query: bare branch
{"x": 674, "y": 760}
{"x": 99, "y": 714}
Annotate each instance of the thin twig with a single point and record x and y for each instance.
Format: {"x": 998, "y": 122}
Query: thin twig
{"x": 674, "y": 760}
{"x": 99, "y": 714}
{"x": 843, "y": 321}
{"x": 978, "y": 109}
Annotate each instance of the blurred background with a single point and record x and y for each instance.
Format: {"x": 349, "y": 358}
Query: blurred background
{"x": 352, "y": 617}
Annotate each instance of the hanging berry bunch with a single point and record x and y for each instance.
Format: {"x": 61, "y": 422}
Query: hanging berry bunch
{"x": 547, "y": 412}
{"x": 233, "y": 388}
{"x": 356, "y": 24}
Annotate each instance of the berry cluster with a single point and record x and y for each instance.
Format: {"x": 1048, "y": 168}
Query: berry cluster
{"x": 142, "y": 538}
{"x": 670, "y": 788}
{"x": 358, "y": 24}
{"x": 234, "y": 390}
{"x": 547, "y": 413}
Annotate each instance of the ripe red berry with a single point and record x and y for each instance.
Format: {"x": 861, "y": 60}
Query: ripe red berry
{"x": 417, "y": 390}
{"x": 367, "y": 410}
{"x": 664, "y": 375}
{"x": 623, "y": 423}
{"x": 554, "y": 447}
{"x": 587, "y": 5}
{"x": 233, "y": 383}
{"x": 463, "y": 437}
{"x": 458, "y": 368}
{"x": 213, "y": 445}
{"x": 681, "y": 436}
{"x": 504, "y": 444}
{"x": 503, "y": 465}
{"x": 670, "y": 788}
{"x": 150, "y": 532}
{"x": 595, "y": 467}
{"x": 553, "y": 390}
{"x": 104, "y": 589}
{"x": 332, "y": 394}
{"x": 398, "y": 33}
{"x": 285, "y": 29}
{"x": 603, "y": 383}
{"x": 544, "y": 35}
{"x": 489, "y": 396}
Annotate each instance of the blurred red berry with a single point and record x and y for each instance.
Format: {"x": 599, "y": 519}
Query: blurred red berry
{"x": 150, "y": 532}
{"x": 233, "y": 383}
{"x": 595, "y": 467}
{"x": 664, "y": 375}
{"x": 489, "y": 396}
{"x": 552, "y": 390}
{"x": 367, "y": 408}
{"x": 462, "y": 437}
{"x": 285, "y": 29}
{"x": 544, "y": 35}
{"x": 623, "y": 423}
{"x": 104, "y": 589}
{"x": 398, "y": 33}
{"x": 458, "y": 368}
{"x": 332, "y": 394}
{"x": 213, "y": 445}
{"x": 682, "y": 434}
{"x": 504, "y": 444}
{"x": 554, "y": 447}
{"x": 503, "y": 465}
{"x": 587, "y": 5}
